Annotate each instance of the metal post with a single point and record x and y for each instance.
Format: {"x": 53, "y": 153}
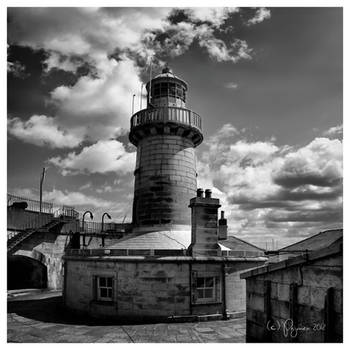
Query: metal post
{"x": 103, "y": 216}
{"x": 41, "y": 189}
{"x": 150, "y": 82}
{"x": 102, "y": 226}
{"x": 133, "y": 99}
{"x": 142, "y": 84}
{"x": 91, "y": 217}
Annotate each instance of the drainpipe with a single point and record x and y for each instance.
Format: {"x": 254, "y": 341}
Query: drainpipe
{"x": 224, "y": 311}
{"x": 190, "y": 279}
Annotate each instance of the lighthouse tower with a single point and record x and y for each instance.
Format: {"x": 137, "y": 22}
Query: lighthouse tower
{"x": 165, "y": 134}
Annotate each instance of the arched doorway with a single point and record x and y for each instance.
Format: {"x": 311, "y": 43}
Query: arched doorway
{"x": 24, "y": 272}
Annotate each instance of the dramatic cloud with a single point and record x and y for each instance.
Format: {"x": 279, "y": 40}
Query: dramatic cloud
{"x": 116, "y": 44}
{"x": 318, "y": 164}
{"x": 42, "y": 131}
{"x": 102, "y": 105}
{"x": 101, "y": 157}
{"x": 276, "y": 189}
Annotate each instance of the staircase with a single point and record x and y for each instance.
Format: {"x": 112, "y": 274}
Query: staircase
{"x": 15, "y": 239}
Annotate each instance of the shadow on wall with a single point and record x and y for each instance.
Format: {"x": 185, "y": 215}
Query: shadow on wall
{"x": 24, "y": 272}
{"x": 51, "y": 310}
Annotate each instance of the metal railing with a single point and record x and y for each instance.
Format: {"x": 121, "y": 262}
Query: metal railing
{"x": 167, "y": 114}
{"x": 126, "y": 252}
{"x": 66, "y": 212}
{"x": 33, "y": 205}
{"x": 96, "y": 227}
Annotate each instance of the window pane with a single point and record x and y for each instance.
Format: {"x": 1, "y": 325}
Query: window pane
{"x": 209, "y": 282}
{"x": 109, "y": 293}
{"x": 200, "y": 282}
{"x": 109, "y": 282}
{"x": 172, "y": 89}
{"x": 200, "y": 293}
{"x": 103, "y": 292}
{"x": 102, "y": 282}
{"x": 208, "y": 293}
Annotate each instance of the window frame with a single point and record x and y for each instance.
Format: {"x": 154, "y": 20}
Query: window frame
{"x": 215, "y": 288}
{"x": 99, "y": 297}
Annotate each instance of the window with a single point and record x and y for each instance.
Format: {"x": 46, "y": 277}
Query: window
{"x": 163, "y": 89}
{"x": 105, "y": 288}
{"x": 172, "y": 89}
{"x": 206, "y": 289}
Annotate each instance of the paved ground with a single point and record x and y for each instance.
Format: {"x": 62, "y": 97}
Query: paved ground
{"x": 39, "y": 318}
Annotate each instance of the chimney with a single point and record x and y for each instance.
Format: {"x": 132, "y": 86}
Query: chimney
{"x": 222, "y": 226}
{"x": 204, "y": 239}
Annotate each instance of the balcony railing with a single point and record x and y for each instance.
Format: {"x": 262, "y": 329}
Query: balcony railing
{"x": 167, "y": 114}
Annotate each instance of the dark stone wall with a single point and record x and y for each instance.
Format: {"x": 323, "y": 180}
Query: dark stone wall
{"x": 289, "y": 305}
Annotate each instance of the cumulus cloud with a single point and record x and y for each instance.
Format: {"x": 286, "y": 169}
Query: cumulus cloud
{"x": 41, "y": 130}
{"x": 102, "y": 105}
{"x": 285, "y": 191}
{"x": 101, "y": 157}
{"x": 214, "y": 15}
{"x": 334, "y": 131}
{"x": 260, "y": 15}
{"x": 117, "y": 45}
{"x": 319, "y": 164}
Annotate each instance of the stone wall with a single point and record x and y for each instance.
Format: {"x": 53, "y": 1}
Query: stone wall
{"x": 47, "y": 248}
{"x": 307, "y": 296}
{"x": 20, "y": 219}
{"x": 236, "y": 287}
{"x": 165, "y": 181}
{"x": 142, "y": 289}
{"x": 151, "y": 288}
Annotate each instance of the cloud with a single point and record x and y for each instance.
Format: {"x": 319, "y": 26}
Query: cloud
{"x": 319, "y": 164}
{"x": 270, "y": 190}
{"x": 41, "y": 130}
{"x": 17, "y": 69}
{"x": 261, "y": 14}
{"x": 116, "y": 44}
{"x": 101, "y": 105}
{"x": 214, "y": 15}
{"x": 219, "y": 51}
{"x": 101, "y": 157}
{"x": 335, "y": 131}
{"x": 75, "y": 199}
{"x": 231, "y": 85}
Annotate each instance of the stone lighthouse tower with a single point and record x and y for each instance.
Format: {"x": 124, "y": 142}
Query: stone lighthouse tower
{"x": 165, "y": 134}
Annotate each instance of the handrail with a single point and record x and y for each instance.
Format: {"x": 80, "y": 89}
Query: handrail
{"x": 167, "y": 114}
{"x": 33, "y": 204}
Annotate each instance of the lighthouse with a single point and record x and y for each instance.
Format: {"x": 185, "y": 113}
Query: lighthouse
{"x": 166, "y": 134}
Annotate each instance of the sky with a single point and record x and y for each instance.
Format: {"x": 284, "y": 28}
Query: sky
{"x": 267, "y": 82}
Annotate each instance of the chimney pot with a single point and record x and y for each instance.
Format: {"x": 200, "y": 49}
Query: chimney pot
{"x": 222, "y": 214}
{"x": 200, "y": 192}
{"x": 207, "y": 193}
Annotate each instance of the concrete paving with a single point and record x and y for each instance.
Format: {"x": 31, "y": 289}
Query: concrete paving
{"x": 41, "y": 319}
